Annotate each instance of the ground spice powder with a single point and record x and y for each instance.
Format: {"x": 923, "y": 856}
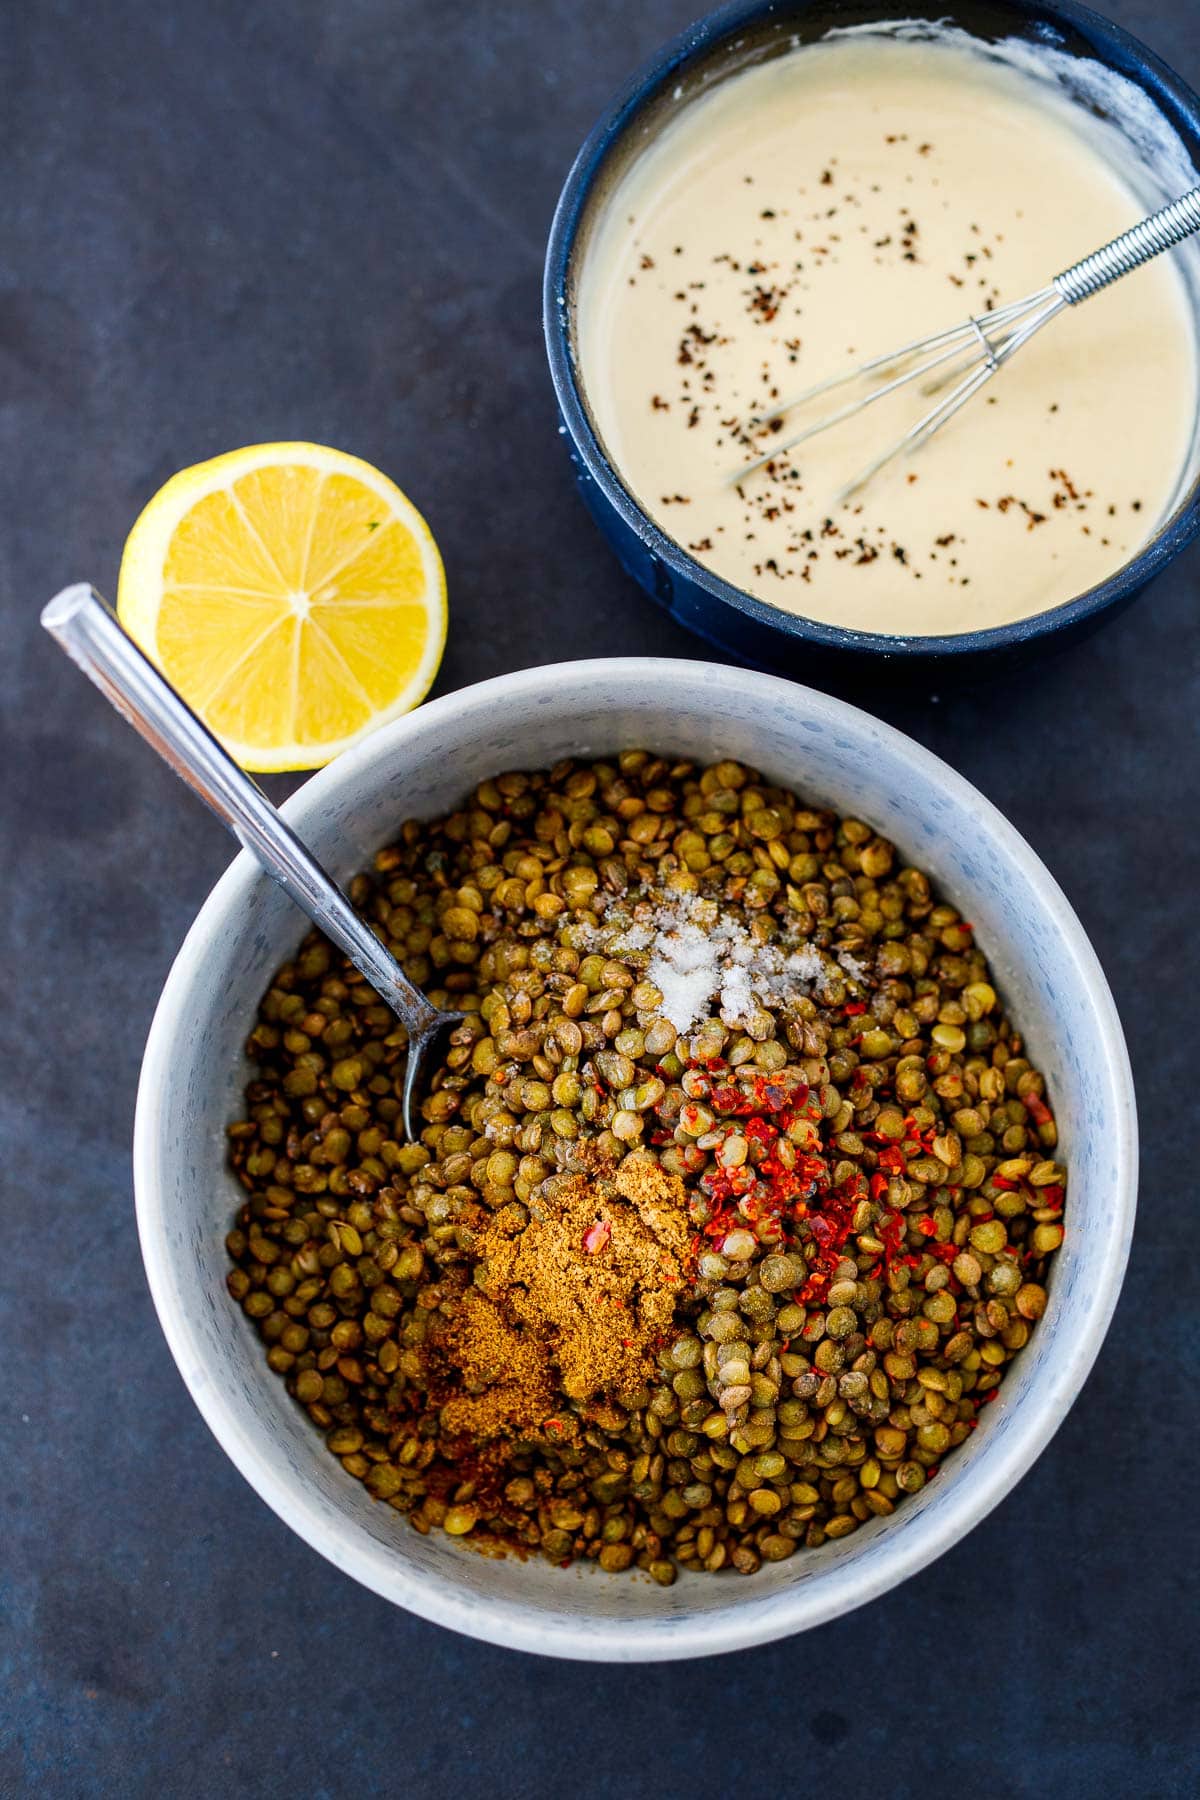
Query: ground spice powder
{"x": 507, "y": 1374}
{"x": 571, "y": 1298}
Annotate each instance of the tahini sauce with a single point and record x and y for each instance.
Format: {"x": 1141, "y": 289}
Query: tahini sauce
{"x": 818, "y": 209}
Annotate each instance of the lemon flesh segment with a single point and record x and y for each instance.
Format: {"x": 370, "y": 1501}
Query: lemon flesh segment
{"x": 292, "y": 594}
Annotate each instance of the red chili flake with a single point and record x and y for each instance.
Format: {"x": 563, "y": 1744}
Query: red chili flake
{"x": 891, "y": 1233}
{"x": 781, "y": 1182}
{"x": 796, "y": 1095}
{"x": 1003, "y": 1181}
{"x": 1037, "y": 1109}
{"x": 927, "y": 1227}
{"x": 596, "y": 1237}
{"x": 1054, "y": 1195}
{"x": 722, "y": 1185}
{"x": 853, "y": 1008}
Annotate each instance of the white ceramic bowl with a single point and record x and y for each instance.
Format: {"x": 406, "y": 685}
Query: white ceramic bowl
{"x": 194, "y": 1071}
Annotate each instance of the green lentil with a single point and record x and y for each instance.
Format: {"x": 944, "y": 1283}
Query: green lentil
{"x": 773, "y": 1422}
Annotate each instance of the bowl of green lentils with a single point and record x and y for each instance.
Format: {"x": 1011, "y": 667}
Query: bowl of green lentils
{"x": 708, "y": 930}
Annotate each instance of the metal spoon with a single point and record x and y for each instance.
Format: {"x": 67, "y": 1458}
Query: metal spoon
{"x": 88, "y": 630}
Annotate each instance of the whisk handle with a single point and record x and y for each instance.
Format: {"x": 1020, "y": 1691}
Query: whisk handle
{"x": 1161, "y": 231}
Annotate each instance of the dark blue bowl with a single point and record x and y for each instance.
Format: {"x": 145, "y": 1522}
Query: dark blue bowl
{"x": 745, "y": 628}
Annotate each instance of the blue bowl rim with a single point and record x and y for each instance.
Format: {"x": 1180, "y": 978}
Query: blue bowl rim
{"x": 1113, "y": 45}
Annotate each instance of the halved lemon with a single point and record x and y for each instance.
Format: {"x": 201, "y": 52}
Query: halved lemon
{"x": 292, "y": 594}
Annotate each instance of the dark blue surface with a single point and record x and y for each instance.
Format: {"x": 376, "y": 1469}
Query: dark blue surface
{"x": 737, "y": 623}
{"x": 230, "y": 222}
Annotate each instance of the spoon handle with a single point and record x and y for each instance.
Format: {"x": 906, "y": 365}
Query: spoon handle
{"x": 90, "y": 633}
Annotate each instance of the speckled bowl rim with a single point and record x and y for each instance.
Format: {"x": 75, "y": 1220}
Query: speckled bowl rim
{"x": 1121, "y": 51}
{"x": 838, "y": 1590}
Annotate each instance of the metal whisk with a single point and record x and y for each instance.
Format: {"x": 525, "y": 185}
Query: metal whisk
{"x": 981, "y": 345}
